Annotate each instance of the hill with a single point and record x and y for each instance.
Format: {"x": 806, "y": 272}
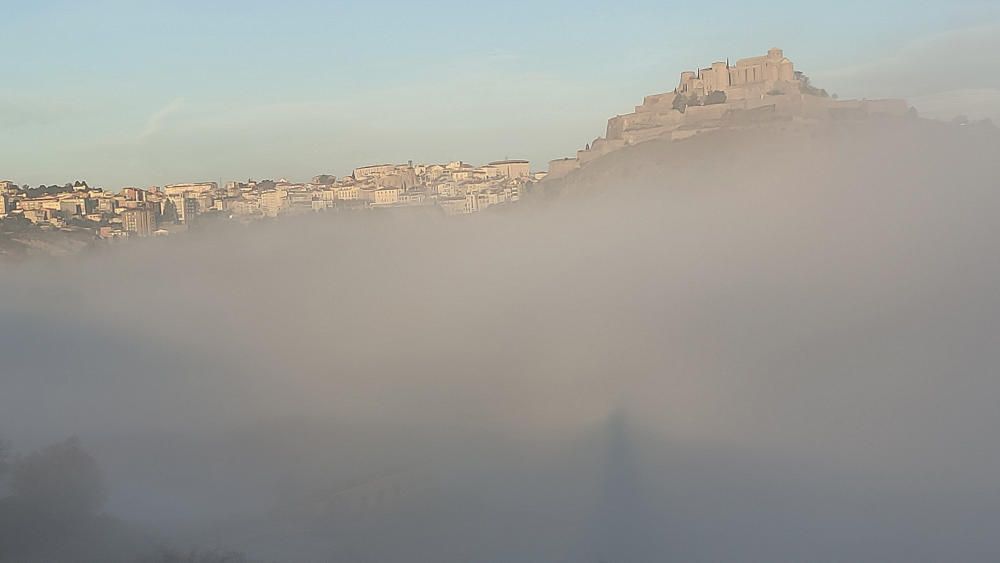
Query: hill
{"x": 782, "y": 154}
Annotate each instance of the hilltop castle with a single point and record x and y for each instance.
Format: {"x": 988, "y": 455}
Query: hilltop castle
{"x": 749, "y": 78}
{"x": 723, "y": 95}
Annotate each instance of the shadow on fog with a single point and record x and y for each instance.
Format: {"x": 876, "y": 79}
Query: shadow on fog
{"x": 754, "y": 345}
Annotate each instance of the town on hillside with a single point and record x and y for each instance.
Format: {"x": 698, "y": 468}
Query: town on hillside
{"x": 456, "y": 188}
{"x": 760, "y": 91}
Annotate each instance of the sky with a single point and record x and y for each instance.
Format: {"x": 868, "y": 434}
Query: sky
{"x": 146, "y": 93}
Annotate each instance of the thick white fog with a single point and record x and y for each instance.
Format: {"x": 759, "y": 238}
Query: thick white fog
{"x": 749, "y": 346}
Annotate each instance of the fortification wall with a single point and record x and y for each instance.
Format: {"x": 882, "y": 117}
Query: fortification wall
{"x": 562, "y": 167}
{"x": 894, "y": 108}
{"x": 617, "y": 127}
{"x": 599, "y": 148}
{"x": 657, "y": 103}
{"x": 697, "y": 114}
{"x": 643, "y": 135}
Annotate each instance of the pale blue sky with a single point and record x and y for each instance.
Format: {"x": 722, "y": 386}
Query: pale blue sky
{"x": 149, "y": 92}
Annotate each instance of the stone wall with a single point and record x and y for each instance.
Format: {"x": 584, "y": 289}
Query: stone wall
{"x": 562, "y": 167}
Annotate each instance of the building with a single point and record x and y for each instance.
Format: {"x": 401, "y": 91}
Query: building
{"x": 186, "y": 208}
{"x": 413, "y": 197}
{"x": 139, "y": 222}
{"x": 747, "y": 78}
{"x": 374, "y": 171}
{"x": 452, "y": 205}
{"x": 134, "y": 194}
{"x": 106, "y": 205}
{"x": 368, "y": 193}
{"x": 204, "y": 202}
{"x": 69, "y": 208}
{"x": 476, "y": 202}
{"x": 186, "y": 189}
{"x": 39, "y": 215}
{"x": 245, "y": 205}
{"x": 512, "y": 168}
{"x": 348, "y": 193}
{"x": 387, "y": 196}
{"x": 273, "y": 202}
{"x": 321, "y": 204}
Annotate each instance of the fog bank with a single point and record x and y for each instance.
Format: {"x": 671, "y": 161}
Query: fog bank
{"x": 749, "y": 346}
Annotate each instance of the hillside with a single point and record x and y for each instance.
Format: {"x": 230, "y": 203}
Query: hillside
{"x": 792, "y": 154}
{"x": 20, "y": 239}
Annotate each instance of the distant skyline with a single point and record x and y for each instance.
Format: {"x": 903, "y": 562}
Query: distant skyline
{"x": 152, "y": 92}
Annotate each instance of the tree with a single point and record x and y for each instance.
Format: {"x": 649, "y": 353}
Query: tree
{"x": 680, "y": 103}
{"x": 715, "y": 98}
{"x": 61, "y": 481}
{"x": 808, "y": 88}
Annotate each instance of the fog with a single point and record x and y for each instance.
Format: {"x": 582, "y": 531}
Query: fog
{"x": 749, "y": 346}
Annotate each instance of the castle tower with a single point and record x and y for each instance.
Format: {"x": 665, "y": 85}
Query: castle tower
{"x": 720, "y": 74}
{"x": 786, "y": 71}
{"x": 687, "y": 78}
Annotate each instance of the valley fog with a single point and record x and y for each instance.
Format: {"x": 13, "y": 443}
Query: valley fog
{"x": 752, "y": 345}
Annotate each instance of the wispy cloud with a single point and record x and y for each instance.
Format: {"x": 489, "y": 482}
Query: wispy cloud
{"x": 967, "y": 58}
{"x": 155, "y": 121}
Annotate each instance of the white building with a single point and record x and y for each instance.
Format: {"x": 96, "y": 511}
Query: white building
{"x": 374, "y": 171}
{"x": 513, "y": 168}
